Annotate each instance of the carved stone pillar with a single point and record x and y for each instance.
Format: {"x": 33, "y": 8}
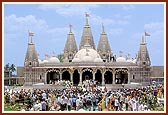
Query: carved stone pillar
{"x": 60, "y": 75}
{"x": 9, "y": 81}
{"x": 71, "y": 76}
{"x": 45, "y": 77}
{"x": 114, "y": 77}
{"x": 80, "y": 77}
{"x": 128, "y": 77}
{"x": 94, "y": 72}
{"x": 103, "y": 77}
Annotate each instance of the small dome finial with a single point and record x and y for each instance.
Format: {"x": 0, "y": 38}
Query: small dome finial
{"x": 121, "y": 53}
{"x": 128, "y": 56}
{"x": 46, "y": 56}
{"x": 53, "y": 54}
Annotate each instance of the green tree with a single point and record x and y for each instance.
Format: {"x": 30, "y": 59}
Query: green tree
{"x": 60, "y": 57}
{"x": 10, "y": 68}
{"x": 7, "y": 67}
{"x": 13, "y": 68}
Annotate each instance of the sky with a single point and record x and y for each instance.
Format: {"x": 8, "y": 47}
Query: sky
{"x": 124, "y": 25}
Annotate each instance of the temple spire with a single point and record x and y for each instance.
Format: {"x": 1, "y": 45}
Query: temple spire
{"x": 143, "y": 58}
{"x": 104, "y": 46}
{"x": 31, "y": 58}
{"x": 87, "y": 32}
{"x": 70, "y": 46}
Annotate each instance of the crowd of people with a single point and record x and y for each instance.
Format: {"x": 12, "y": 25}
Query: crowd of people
{"x": 88, "y": 96}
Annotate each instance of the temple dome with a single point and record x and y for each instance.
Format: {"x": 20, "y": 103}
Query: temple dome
{"x": 86, "y": 54}
{"x": 76, "y": 60}
{"x": 120, "y": 59}
{"x": 40, "y": 62}
{"x": 53, "y": 60}
{"x": 98, "y": 59}
{"x": 129, "y": 60}
{"x": 45, "y": 61}
{"x": 134, "y": 61}
{"x": 87, "y": 58}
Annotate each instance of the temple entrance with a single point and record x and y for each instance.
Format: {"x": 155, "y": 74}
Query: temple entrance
{"x": 76, "y": 77}
{"x": 66, "y": 76}
{"x": 98, "y": 77}
{"x": 108, "y": 77}
{"x": 121, "y": 77}
{"x": 52, "y": 76}
{"x": 87, "y": 75}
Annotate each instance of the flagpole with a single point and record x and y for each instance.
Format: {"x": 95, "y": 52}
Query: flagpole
{"x": 145, "y": 38}
{"x": 146, "y": 34}
{"x": 28, "y": 36}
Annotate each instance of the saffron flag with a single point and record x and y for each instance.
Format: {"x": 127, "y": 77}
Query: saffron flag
{"x": 87, "y": 15}
{"x": 147, "y": 34}
{"x": 31, "y": 34}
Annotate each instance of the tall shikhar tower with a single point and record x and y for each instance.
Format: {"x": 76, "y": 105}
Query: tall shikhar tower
{"x": 70, "y": 48}
{"x": 87, "y": 33}
{"x": 143, "y": 58}
{"x": 103, "y": 48}
{"x": 31, "y": 58}
{"x": 31, "y": 61}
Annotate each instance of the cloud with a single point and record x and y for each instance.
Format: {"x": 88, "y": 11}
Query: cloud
{"x": 156, "y": 30}
{"x": 117, "y": 20}
{"x": 128, "y": 7}
{"x": 154, "y": 26}
{"x": 16, "y": 31}
{"x": 68, "y": 9}
{"x": 80, "y": 9}
{"x": 98, "y": 20}
{"x": 15, "y": 24}
{"x": 116, "y": 31}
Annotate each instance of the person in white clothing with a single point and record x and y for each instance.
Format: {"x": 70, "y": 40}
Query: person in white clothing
{"x": 37, "y": 106}
{"x": 141, "y": 107}
{"x": 116, "y": 104}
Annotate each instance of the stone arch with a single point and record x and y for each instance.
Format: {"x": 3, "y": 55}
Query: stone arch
{"x": 66, "y": 75}
{"x": 87, "y": 74}
{"x": 108, "y": 77}
{"x": 121, "y": 76}
{"x": 52, "y": 75}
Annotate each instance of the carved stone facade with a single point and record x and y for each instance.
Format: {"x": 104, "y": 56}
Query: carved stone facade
{"x": 87, "y": 63}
